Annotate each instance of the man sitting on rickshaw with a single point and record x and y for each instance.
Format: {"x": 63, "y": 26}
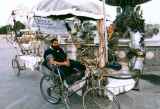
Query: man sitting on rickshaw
{"x": 70, "y": 70}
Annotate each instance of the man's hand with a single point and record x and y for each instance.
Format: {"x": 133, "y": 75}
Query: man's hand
{"x": 67, "y": 63}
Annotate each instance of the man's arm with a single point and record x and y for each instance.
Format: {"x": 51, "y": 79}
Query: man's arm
{"x": 65, "y": 63}
{"x": 51, "y": 60}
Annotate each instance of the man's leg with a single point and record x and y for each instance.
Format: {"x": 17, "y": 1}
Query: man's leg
{"x": 77, "y": 67}
{"x": 137, "y": 84}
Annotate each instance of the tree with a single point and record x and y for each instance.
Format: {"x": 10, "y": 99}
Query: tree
{"x": 18, "y": 25}
{"x": 4, "y": 29}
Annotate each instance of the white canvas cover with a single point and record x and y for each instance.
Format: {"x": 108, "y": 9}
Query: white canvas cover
{"x": 86, "y": 8}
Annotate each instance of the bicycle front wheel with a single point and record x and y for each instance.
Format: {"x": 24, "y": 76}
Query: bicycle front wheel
{"x": 50, "y": 91}
{"x": 100, "y": 98}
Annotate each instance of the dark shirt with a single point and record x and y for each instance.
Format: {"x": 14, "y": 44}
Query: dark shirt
{"x": 56, "y": 53}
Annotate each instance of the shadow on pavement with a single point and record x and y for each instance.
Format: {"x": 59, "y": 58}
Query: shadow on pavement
{"x": 154, "y": 79}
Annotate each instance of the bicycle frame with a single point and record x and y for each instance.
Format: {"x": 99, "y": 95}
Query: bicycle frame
{"x": 70, "y": 87}
{"x": 86, "y": 79}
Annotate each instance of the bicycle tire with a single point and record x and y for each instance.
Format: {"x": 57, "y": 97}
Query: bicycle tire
{"x": 16, "y": 67}
{"x": 13, "y": 64}
{"x": 100, "y": 98}
{"x": 51, "y": 98}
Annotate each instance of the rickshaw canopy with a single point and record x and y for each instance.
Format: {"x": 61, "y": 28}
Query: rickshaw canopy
{"x": 84, "y": 8}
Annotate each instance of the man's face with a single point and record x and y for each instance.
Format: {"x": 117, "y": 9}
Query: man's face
{"x": 55, "y": 43}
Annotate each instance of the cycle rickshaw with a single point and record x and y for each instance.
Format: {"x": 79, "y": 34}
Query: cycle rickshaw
{"x": 28, "y": 52}
{"x": 96, "y": 93}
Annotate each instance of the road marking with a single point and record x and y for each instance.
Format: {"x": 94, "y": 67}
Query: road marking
{"x": 23, "y": 99}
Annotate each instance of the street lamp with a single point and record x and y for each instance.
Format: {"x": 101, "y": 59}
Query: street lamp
{"x": 13, "y": 14}
{"x": 14, "y": 17}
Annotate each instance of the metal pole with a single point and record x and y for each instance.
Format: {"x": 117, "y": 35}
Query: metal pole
{"x": 14, "y": 24}
{"x": 105, "y": 34}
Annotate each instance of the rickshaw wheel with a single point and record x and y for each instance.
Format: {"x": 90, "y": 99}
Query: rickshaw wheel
{"x": 100, "y": 98}
{"x": 16, "y": 67}
{"x": 50, "y": 90}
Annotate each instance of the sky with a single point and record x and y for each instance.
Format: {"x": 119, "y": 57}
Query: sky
{"x": 6, "y": 7}
{"x": 150, "y": 10}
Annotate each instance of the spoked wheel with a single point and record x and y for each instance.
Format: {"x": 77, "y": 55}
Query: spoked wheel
{"x": 66, "y": 101}
{"x": 50, "y": 91}
{"x": 100, "y": 98}
{"x": 16, "y": 66}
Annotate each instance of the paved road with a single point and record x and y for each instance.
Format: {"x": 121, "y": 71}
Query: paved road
{"x": 23, "y": 92}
